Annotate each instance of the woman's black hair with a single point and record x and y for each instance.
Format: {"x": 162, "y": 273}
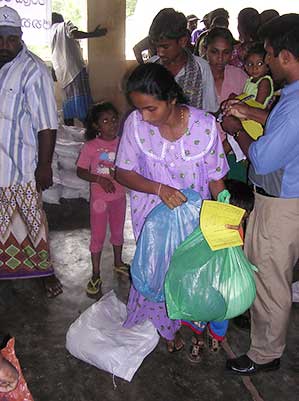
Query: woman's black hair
{"x": 216, "y": 33}
{"x": 268, "y": 15}
{"x": 93, "y": 118}
{"x": 255, "y": 48}
{"x": 155, "y": 80}
{"x": 249, "y": 21}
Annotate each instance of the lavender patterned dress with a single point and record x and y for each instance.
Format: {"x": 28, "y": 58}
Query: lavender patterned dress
{"x": 192, "y": 161}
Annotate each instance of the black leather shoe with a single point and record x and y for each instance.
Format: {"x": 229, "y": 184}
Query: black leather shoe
{"x": 245, "y": 366}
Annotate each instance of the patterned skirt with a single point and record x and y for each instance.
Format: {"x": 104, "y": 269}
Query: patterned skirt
{"x": 24, "y": 249}
{"x": 77, "y": 97}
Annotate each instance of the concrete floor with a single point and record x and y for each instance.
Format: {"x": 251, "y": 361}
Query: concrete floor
{"x": 39, "y": 326}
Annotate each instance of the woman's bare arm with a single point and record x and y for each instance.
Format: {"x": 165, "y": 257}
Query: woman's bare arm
{"x": 172, "y": 197}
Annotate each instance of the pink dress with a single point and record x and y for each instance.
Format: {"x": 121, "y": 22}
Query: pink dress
{"x": 190, "y": 162}
{"x": 98, "y": 156}
{"x": 234, "y": 81}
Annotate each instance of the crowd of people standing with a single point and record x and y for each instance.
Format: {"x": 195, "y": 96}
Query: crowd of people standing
{"x": 247, "y": 66}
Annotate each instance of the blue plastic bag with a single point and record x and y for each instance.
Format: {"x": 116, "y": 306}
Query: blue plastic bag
{"x": 163, "y": 231}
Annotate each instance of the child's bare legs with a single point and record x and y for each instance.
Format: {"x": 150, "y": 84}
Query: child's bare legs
{"x": 8, "y": 375}
{"x": 117, "y": 250}
{"x": 98, "y": 225}
{"x": 117, "y": 214}
{"x": 119, "y": 265}
{"x": 96, "y": 260}
{"x": 94, "y": 284}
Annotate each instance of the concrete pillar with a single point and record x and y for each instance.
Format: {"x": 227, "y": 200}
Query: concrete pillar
{"x": 106, "y": 55}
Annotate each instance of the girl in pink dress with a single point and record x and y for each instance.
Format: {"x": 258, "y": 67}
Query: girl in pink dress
{"x": 166, "y": 146}
{"x": 108, "y": 197}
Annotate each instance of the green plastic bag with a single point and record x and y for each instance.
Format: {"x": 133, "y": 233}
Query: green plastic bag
{"x": 206, "y": 285}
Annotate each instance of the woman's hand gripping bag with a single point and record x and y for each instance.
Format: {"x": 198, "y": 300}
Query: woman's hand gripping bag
{"x": 163, "y": 231}
{"x": 206, "y": 285}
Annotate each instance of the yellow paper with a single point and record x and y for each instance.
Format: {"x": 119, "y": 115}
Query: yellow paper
{"x": 253, "y": 128}
{"x": 213, "y": 220}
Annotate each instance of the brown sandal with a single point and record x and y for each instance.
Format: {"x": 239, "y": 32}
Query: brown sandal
{"x": 196, "y": 348}
{"x": 123, "y": 268}
{"x": 212, "y": 343}
{"x": 175, "y": 345}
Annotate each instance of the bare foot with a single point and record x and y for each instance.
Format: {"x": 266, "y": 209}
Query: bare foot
{"x": 8, "y": 375}
{"x": 53, "y": 286}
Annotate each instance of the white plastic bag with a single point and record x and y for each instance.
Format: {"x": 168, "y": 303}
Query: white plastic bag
{"x": 99, "y": 338}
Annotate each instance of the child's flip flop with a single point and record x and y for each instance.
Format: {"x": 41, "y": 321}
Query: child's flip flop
{"x": 94, "y": 286}
{"x": 124, "y": 268}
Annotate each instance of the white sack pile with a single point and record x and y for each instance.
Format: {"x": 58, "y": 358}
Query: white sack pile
{"x": 66, "y": 183}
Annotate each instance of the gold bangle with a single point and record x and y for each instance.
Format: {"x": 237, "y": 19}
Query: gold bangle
{"x": 159, "y": 189}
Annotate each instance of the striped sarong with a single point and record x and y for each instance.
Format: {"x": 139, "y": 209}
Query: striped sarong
{"x": 77, "y": 97}
{"x": 24, "y": 249}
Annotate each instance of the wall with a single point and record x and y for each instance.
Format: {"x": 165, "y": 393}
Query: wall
{"x": 106, "y": 55}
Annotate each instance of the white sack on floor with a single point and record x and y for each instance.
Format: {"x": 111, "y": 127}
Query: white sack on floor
{"x": 66, "y": 182}
{"x": 295, "y": 291}
{"x": 67, "y": 150}
{"x": 68, "y": 163}
{"x": 55, "y": 169}
{"x": 73, "y": 186}
{"x": 70, "y": 179}
{"x": 53, "y": 194}
{"x": 75, "y": 193}
{"x": 97, "y": 337}
{"x": 71, "y": 133}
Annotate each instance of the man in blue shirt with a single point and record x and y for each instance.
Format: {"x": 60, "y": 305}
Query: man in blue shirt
{"x": 272, "y": 237}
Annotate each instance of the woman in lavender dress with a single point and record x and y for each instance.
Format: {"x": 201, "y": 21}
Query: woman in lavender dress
{"x": 166, "y": 146}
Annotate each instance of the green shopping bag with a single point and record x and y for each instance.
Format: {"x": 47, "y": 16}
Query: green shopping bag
{"x": 207, "y": 285}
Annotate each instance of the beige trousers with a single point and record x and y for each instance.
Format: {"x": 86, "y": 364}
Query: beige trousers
{"x": 272, "y": 244}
